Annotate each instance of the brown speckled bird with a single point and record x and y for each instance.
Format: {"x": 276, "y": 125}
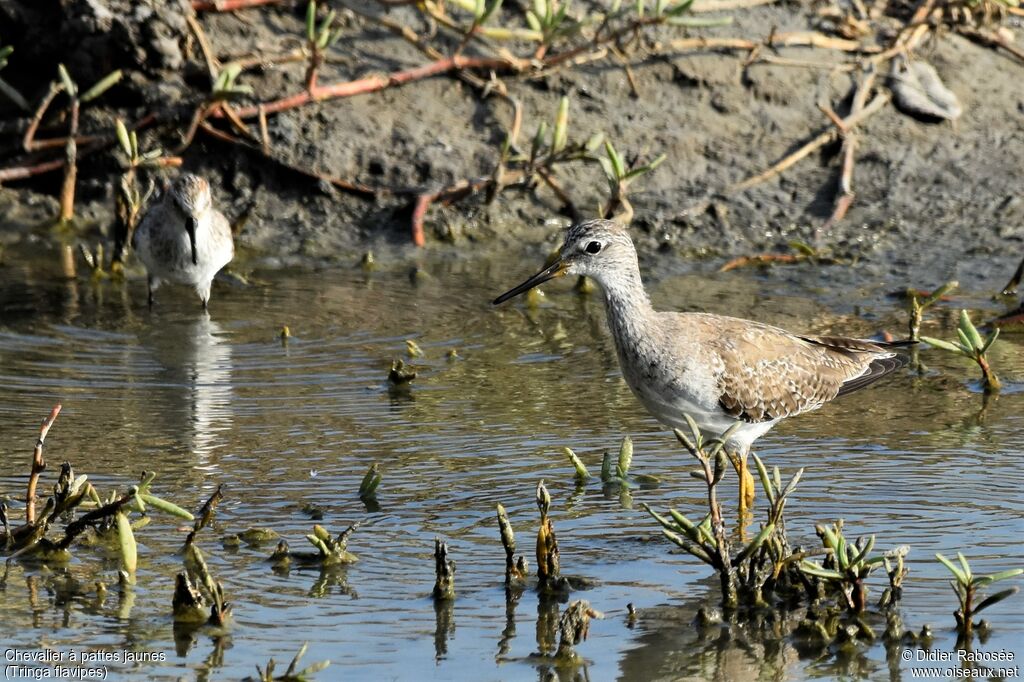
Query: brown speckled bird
{"x": 716, "y": 369}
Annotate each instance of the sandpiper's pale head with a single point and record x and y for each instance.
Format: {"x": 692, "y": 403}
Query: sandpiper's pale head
{"x": 600, "y": 249}
{"x": 190, "y": 194}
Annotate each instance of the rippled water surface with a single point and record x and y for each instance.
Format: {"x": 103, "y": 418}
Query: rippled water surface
{"x": 217, "y": 399}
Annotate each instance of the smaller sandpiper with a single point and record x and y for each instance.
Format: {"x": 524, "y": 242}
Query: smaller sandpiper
{"x": 183, "y": 239}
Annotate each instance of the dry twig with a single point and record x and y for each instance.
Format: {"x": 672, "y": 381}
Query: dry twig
{"x": 845, "y": 195}
{"x": 819, "y": 141}
{"x": 991, "y": 39}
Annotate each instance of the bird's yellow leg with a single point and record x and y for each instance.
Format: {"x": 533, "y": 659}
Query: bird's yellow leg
{"x": 739, "y": 463}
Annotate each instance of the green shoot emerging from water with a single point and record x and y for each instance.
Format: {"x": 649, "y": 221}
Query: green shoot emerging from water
{"x": 330, "y": 551}
{"x": 897, "y": 570}
{"x": 413, "y": 349}
{"x": 966, "y": 586}
{"x": 139, "y": 498}
{"x": 614, "y": 469}
{"x": 110, "y": 518}
{"x": 251, "y": 537}
{"x": 617, "y": 470}
{"x": 761, "y": 559}
{"x": 444, "y": 571}
{"x": 515, "y": 569}
{"x": 291, "y": 674}
{"x": 547, "y": 544}
{"x": 399, "y": 375}
{"x": 846, "y": 566}
{"x": 195, "y": 591}
{"x": 971, "y": 345}
{"x": 153, "y": 501}
{"x": 919, "y": 304}
{"x": 581, "y": 469}
{"x": 370, "y": 483}
{"x": 573, "y": 627}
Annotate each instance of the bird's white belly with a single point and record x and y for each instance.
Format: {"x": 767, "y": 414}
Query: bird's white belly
{"x": 170, "y": 258}
{"x": 669, "y": 406}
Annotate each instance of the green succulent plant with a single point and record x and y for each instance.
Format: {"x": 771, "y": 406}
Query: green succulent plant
{"x": 966, "y": 585}
{"x": 971, "y": 345}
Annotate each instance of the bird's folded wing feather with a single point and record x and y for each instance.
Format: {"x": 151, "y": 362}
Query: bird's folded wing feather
{"x": 767, "y": 373}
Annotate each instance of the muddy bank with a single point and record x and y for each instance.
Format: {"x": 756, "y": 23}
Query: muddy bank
{"x": 926, "y": 193}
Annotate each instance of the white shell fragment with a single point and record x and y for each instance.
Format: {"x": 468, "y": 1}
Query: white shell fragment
{"x": 918, "y": 90}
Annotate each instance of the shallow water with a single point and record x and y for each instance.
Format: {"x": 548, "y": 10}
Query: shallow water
{"x": 207, "y": 400}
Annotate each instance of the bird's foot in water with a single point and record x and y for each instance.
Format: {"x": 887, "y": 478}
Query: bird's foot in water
{"x": 746, "y": 487}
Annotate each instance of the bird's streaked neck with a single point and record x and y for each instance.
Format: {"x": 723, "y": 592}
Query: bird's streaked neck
{"x": 624, "y": 289}
{"x": 625, "y": 298}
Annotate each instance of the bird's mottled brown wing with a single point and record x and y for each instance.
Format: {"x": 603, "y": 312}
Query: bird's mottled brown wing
{"x": 883, "y": 361}
{"x": 767, "y": 373}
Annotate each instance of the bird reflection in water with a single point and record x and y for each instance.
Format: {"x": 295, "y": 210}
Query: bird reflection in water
{"x": 195, "y": 377}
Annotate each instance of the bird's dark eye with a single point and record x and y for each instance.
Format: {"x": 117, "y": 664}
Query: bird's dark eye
{"x": 593, "y": 248}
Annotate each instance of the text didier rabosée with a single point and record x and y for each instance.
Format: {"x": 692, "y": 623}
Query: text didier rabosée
{"x": 961, "y": 656}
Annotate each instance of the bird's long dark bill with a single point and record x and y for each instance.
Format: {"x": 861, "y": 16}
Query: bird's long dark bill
{"x": 190, "y": 226}
{"x": 556, "y": 269}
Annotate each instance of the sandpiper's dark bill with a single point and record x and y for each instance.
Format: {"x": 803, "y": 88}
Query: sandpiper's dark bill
{"x": 191, "y": 225}
{"x": 556, "y": 269}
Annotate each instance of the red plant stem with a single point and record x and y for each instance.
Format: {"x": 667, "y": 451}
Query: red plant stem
{"x": 743, "y": 261}
{"x": 56, "y": 142}
{"x": 992, "y": 383}
{"x": 419, "y": 210}
{"x": 229, "y": 5}
{"x": 22, "y": 172}
{"x": 38, "y": 465}
{"x": 29, "y": 140}
{"x": 315, "y": 60}
{"x": 371, "y": 84}
{"x": 968, "y": 609}
{"x": 440, "y": 66}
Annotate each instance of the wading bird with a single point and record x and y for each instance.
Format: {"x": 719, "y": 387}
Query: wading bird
{"x": 183, "y": 239}
{"x": 716, "y": 369}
